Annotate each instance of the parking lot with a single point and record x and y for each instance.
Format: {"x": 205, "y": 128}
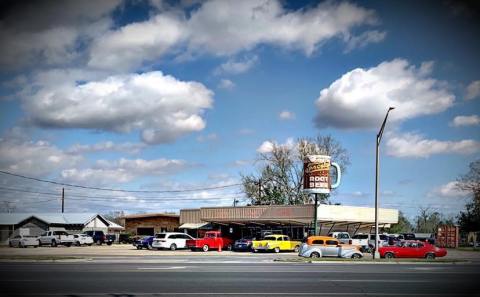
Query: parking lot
{"x": 126, "y": 250}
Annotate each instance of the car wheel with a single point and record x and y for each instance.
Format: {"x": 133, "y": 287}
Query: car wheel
{"x": 430, "y": 256}
{"x": 39, "y": 243}
{"x": 229, "y": 247}
{"x": 149, "y": 247}
{"x": 254, "y": 251}
{"x": 99, "y": 242}
{"x": 296, "y": 249}
{"x": 109, "y": 243}
{"x": 35, "y": 246}
{"x": 389, "y": 256}
{"x": 173, "y": 247}
{"x": 205, "y": 248}
{"x": 77, "y": 243}
{"x": 54, "y": 243}
{"x": 276, "y": 250}
{"x": 193, "y": 249}
{"x": 314, "y": 255}
{"x": 356, "y": 256}
{"x": 68, "y": 244}
{"x": 90, "y": 244}
{"x": 139, "y": 247}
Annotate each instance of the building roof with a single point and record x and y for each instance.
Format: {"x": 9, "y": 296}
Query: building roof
{"x": 50, "y": 218}
{"x": 113, "y": 225}
{"x": 149, "y": 215}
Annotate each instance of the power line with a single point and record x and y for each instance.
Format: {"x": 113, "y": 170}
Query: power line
{"x": 111, "y": 198}
{"x": 117, "y": 190}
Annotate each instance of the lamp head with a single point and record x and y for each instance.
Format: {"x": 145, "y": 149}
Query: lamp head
{"x": 391, "y": 108}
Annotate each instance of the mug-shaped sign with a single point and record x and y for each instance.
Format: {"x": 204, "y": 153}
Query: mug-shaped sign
{"x": 316, "y": 174}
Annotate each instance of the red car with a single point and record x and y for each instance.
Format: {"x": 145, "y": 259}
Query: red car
{"x": 412, "y": 249}
{"x": 212, "y": 240}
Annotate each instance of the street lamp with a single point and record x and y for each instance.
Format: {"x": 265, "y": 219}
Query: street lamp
{"x": 376, "y": 255}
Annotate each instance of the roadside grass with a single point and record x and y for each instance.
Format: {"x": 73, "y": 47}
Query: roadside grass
{"x": 365, "y": 260}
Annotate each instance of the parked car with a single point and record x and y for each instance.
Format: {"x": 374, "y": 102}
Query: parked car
{"x": 211, "y": 240}
{"x": 326, "y": 246}
{"x": 98, "y": 236}
{"x": 126, "y": 238}
{"x": 170, "y": 240}
{"x": 362, "y": 241}
{"x": 110, "y": 239}
{"x": 383, "y": 240}
{"x": 343, "y": 237}
{"x": 55, "y": 238}
{"x": 23, "y": 241}
{"x": 412, "y": 249}
{"x": 276, "y": 243}
{"x": 144, "y": 243}
{"x": 82, "y": 239}
{"x": 243, "y": 244}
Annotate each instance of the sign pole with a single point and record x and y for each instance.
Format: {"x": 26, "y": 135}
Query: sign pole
{"x": 315, "y": 215}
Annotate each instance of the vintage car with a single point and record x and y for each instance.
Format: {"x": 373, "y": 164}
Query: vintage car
{"x": 276, "y": 243}
{"x": 325, "y": 246}
{"x": 412, "y": 249}
{"x": 211, "y": 240}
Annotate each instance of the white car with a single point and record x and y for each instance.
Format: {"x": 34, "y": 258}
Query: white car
{"x": 170, "y": 240}
{"x": 23, "y": 241}
{"x": 343, "y": 237}
{"x": 82, "y": 239}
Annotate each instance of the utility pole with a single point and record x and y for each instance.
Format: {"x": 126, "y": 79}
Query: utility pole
{"x": 63, "y": 199}
{"x": 376, "y": 254}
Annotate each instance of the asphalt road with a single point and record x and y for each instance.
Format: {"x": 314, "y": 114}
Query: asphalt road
{"x": 238, "y": 279}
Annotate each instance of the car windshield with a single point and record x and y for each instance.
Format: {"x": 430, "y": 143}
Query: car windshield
{"x": 161, "y": 235}
{"x": 270, "y": 238}
{"x": 210, "y": 235}
{"x": 343, "y": 236}
{"x": 360, "y": 236}
{"x": 28, "y": 236}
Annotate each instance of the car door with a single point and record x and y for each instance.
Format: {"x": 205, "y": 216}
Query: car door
{"x": 331, "y": 248}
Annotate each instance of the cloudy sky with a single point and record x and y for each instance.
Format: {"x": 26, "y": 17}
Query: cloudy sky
{"x": 177, "y": 97}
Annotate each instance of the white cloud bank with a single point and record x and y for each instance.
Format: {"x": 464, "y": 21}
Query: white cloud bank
{"x": 473, "y": 90}
{"x": 460, "y": 121}
{"x": 161, "y": 106}
{"x": 233, "y": 66}
{"x": 105, "y": 146}
{"x": 360, "y": 98}
{"x": 222, "y": 27}
{"x": 286, "y": 115}
{"x": 416, "y": 146}
{"x": 448, "y": 190}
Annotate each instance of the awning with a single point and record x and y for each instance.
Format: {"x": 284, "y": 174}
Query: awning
{"x": 193, "y": 225}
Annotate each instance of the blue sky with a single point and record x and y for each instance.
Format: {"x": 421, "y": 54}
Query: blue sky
{"x": 166, "y": 95}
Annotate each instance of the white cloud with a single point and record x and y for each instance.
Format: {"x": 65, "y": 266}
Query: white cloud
{"x": 161, "y": 106}
{"x": 127, "y": 147}
{"x": 226, "y": 84}
{"x": 473, "y": 90}
{"x": 449, "y": 189}
{"x": 122, "y": 171}
{"x": 41, "y": 32}
{"x": 364, "y": 39}
{"x": 459, "y": 121}
{"x": 245, "y": 131}
{"x": 416, "y": 146}
{"x": 222, "y": 27}
{"x": 137, "y": 42}
{"x": 267, "y": 146}
{"x": 286, "y": 115}
{"x": 33, "y": 158}
{"x": 233, "y": 66}
{"x": 360, "y": 98}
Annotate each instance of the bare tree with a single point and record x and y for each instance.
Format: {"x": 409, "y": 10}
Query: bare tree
{"x": 469, "y": 219}
{"x": 280, "y": 176}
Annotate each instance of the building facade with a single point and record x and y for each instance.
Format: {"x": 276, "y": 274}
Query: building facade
{"x": 150, "y": 224}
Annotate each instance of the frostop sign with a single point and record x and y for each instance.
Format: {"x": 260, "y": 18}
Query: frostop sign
{"x": 316, "y": 174}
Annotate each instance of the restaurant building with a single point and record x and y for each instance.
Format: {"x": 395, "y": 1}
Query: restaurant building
{"x": 295, "y": 221}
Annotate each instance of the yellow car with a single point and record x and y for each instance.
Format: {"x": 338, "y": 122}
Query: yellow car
{"x": 276, "y": 243}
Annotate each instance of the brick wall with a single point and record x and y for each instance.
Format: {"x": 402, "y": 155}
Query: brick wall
{"x": 159, "y": 223}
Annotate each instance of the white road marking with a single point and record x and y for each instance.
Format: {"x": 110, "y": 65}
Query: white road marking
{"x": 161, "y": 268}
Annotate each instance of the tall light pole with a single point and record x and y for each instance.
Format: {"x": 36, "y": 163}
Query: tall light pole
{"x": 376, "y": 254}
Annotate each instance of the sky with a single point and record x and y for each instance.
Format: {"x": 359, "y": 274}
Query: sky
{"x": 170, "y": 102}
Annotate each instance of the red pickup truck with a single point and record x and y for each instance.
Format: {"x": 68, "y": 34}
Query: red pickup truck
{"x": 212, "y": 240}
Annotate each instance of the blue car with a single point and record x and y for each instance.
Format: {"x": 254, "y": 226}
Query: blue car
{"x": 145, "y": 242}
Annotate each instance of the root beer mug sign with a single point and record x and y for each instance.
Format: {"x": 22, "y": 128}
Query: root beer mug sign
{"x": 316, "y": 174}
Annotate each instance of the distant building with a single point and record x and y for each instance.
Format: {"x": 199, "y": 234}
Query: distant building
{"x": 35, "y": 224}
{"x": 151, "y": 223}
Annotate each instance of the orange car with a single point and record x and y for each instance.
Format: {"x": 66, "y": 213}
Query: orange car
{"x": 326, "y": 246}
